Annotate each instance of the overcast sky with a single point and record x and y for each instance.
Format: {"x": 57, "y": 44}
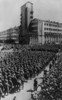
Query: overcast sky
{"x": 43, "y": 9}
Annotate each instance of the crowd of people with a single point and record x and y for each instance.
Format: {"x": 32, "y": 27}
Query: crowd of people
{"x": 19, "y": 66}
{"x": 51, "y": 85}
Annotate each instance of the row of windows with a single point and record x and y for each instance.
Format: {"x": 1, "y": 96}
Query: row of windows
{"x": 54, "y": 25}
{"x": 34, "y": 23}
{"x": 52, "y": 29}
{"x": 53, "y": 34}
{"x": 34, "y": 28}
{"x": 52, "y": 38}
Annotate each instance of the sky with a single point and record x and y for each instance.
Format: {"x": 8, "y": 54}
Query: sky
{"x": 10, "y": 11}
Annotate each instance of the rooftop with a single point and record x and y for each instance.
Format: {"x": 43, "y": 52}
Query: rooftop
{"x": 47, "y": 21}
{"x": 26, "y": 3}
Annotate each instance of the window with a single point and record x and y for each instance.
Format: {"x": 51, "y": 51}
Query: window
{"x": 45, "y": 28}
{"x": 46, "y": 24}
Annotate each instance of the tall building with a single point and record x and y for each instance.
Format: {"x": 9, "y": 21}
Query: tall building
{"x": 35, "y": 31}
{"x": 45, "y": 32}
{"x": 26, "y": 18}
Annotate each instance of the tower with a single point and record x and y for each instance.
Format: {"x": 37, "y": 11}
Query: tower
{"x": 26, "y": 18}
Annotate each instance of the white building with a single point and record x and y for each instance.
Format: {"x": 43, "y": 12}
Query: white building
{"x": 45, "y": 32}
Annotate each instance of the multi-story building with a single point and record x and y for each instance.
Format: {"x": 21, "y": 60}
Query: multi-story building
{"x": 3, "y": 36}
{"x": 9, "y": 35}
{"x": 26, "y": 18}
{"x": 45, "y": 31}
{"x": 13, "y": 34}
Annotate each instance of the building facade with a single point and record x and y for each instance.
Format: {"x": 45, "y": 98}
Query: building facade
{"x": 9, "y": 35}
{"x": 3, "y": 36}
{"x": 45, "y": 32}
{"x": 26, "y": 18}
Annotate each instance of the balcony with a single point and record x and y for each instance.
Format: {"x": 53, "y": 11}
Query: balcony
{"x": 31, "y": 17}
{"x": 31, "y": 12}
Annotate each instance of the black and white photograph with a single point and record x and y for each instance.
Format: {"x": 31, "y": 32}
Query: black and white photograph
{"x": 30, "y": 49}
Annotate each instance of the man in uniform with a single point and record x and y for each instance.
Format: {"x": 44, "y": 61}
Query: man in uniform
{"x": 35, "y": 84}
{"x": 0, "y": 93}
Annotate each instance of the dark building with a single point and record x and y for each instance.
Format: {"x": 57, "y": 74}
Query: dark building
{"x": 26, "y": 18}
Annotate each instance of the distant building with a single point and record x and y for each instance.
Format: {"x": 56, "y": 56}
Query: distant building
{"x": 10, "y": 35}
{"x": 3, "y": 36}
{"x": 26, "y": 18}
{"x": 42, "y": 32}
{"x": 13, "y": 34}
